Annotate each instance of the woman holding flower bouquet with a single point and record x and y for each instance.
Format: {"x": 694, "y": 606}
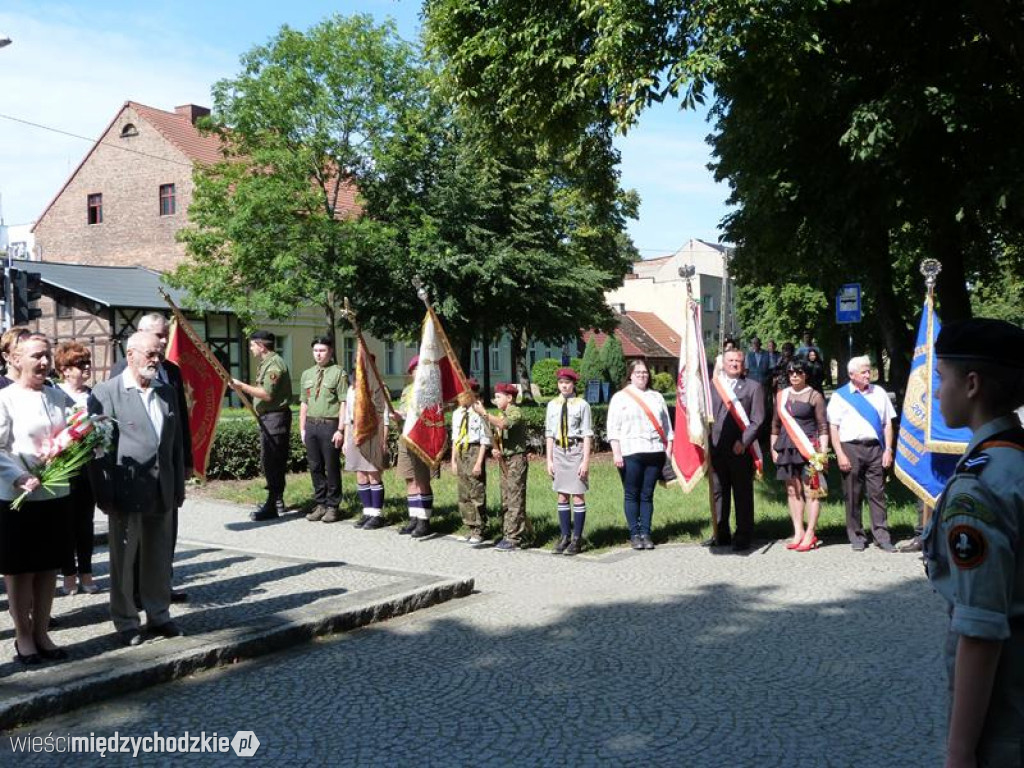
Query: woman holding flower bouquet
{"x": 799, "y": 446}
{"x": 34, "y": 523}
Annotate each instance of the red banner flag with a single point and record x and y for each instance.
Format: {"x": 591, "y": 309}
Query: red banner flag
{"x": 204, "y": 390}
{"x": 439, "y": 378}
{"x": 693, "y": 403}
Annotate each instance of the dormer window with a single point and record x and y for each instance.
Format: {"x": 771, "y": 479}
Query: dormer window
{"x": 129, "y": 130}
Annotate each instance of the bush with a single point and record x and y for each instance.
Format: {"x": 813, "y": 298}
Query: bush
{"x": 614, "y": 362}
{"x": 664, "y": 383}
{"x": 543, "y": 375}
{"x": 235, "y": 454}
{"x": 592, "y": 367}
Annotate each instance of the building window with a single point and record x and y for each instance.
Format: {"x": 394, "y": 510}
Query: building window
{"x": 708, "y": 302}
{"x": 128, "y": 131}
{"x": 496, "y": 358}
{"x": 167, "y": 206}
{"x": 476, "y": 359}
{"x": 94, "y": 208}
{"x": 390, "y": 358}
{"x": 350, "y": 354}
{"x": 532, "y": 354}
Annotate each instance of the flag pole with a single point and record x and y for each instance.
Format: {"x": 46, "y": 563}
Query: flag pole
{"x": 350, "y": 314}
{"x": 424, "y": 296}
{"x": 211, "y": 358}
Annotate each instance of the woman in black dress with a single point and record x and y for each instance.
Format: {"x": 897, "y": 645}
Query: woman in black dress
{"x": 800, "y": 431}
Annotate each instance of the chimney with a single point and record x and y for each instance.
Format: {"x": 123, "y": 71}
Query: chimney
{"x": 192, "y": 111}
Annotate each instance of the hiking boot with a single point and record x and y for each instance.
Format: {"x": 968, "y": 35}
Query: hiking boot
{"x": 317, "y": 514}
{"x": 409, "y": 527}
{"x": 362, "y": 521}
{"x": 561, "y": 545}
{"x": 332, "y": 515}
{"x": 377, "y": 521}
{"x": 575, "y": 547}
{"x": 421, "y": 529}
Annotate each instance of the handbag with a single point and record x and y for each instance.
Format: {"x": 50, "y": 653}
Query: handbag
{"x": 668, "y": 472}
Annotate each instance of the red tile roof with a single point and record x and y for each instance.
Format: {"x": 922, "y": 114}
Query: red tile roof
{"x": 658, "y": 330}
{"x": 179, "y": 131}
{"x": 642, "y": 334}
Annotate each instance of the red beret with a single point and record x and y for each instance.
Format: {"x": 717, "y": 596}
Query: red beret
{"x": 506, "y": 389}
{"x": 473, "y": 384}
{"x": 412, "y": 364}
{"x": 567, "y": 373}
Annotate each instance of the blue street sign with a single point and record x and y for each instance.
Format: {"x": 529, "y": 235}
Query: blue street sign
{"x": 848, "y": 304}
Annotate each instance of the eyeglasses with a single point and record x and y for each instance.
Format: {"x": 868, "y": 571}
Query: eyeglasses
{"x": 641, "y": 373}
{"x": 797, "y": 373}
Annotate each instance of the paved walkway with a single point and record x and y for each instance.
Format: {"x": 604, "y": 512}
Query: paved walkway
{"x": 672, "y": 657}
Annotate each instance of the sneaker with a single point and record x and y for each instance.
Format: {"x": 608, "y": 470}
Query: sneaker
{"x": 574, "y": 548}
{"x": 885, "y": 546}
{"x": 475, "y": 541}
{"x": 648, "y": 542}
{"x": 409, "y": 527}
{"x": 377, "y": 521}
{"x": 317, "y": 514}
{"x": 505, "y": 545}
{"x": 421, "y": 529}
{"x": 910, "y": 545}
{"x": 332, "y": 515}
{"x": 636, "y": 542}
{"x": 362, "y": 521}
{"x": 563, "y": 542}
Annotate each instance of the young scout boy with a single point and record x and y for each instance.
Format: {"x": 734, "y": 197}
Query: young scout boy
{"x": 512, "y": 455}
{"x": 569, "y": 434}
{"x": 322, "y": 428}
{"x": 471, "y": 438}
{"x": 974, "y": 543}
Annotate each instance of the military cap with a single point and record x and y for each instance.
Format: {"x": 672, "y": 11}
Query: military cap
{"x": 412, "y": 364}
{"x": 567, "y": 373}
{"x": 506, "y": 389}
{"x": 473, "y": 384}
{"x": 263, "y": 337}
{"x": 981, "y": 338}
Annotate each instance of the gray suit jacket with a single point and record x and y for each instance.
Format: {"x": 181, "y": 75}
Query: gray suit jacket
{"x": 143, "y": 472}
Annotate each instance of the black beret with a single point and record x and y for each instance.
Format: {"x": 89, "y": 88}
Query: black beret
{"x": 263, "y": 337}
{"x": 982, "y": 338}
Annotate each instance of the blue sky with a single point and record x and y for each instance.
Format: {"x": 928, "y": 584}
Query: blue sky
{"x": 72, "y": 64}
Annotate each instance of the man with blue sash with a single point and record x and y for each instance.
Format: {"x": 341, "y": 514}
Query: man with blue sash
{"x": 860, "y": 422}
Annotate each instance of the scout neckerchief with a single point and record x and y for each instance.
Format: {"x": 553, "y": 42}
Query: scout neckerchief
{"x": 739, "y": 415}
{"x": 797, "y": 436}
{"x": 319, "y": 382}
{"x": 650, "y": 415}
{"x": 563, "y": 425}
{"x": 462, "y": 442}
{"x": 859, "y": 402}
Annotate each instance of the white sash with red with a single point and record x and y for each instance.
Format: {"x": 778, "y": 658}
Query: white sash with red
{"x": 814, "y": 481}
{"x": 739, "y": 415}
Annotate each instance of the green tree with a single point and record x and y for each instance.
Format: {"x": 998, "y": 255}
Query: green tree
{"x": 592, "y": 367}
{"x": 614, "y": 361}
{"x": 305, "y": 123}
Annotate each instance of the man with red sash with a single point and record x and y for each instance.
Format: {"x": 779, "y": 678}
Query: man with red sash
{"x": 738, "y": 407}
{"x": 860, "y": 422}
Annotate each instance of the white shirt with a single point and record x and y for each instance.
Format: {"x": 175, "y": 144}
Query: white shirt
{"x": 580, "y": 424}
{"x": 476, "y": 430}
{"x": 628, "y": 423}
{"x": 27, "y": 417}
{"x": 853, "y": 426}
{"x": 149, "y": 400}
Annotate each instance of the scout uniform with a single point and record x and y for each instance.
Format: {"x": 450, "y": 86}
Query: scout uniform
{"x": 412, "y": 468}
{"x": 567, "y": 423}
{"x": 322, "y": 391}
{"x": 513, "y": 475}
{"x": 275, "y": 425}
{"x": 471, "y": 437}
{"x": 974, "y": 545}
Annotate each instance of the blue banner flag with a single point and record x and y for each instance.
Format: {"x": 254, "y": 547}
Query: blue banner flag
{"x": 926, "y": 450}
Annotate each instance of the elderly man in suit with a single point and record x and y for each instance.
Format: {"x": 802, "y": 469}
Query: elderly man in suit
{"x": 738, "y": 407}
{"x": 139, "y": 483}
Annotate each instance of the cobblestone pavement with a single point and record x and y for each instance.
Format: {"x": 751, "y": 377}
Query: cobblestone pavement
{"x": 677, "y": 657}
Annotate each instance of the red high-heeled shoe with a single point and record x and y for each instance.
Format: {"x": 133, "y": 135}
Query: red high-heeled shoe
{"x": 793, "y": 544}
{"x": 814, "y": 543}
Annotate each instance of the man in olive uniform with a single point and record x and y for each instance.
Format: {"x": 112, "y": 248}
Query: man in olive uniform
{"x": 973, "y": 545}
{"x": 271, "y": 393}
{"x": 322, "y": 427}
{"x": 512, "y": 456}
{"x": 471, "y": 437}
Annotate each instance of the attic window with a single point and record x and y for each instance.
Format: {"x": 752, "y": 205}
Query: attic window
{"x": 129, "y": 130}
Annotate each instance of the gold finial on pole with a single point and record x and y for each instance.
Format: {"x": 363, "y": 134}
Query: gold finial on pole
{"x": 930, "y": 268}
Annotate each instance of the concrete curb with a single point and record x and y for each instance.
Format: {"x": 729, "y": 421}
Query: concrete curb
{"x": 131, "y": 669}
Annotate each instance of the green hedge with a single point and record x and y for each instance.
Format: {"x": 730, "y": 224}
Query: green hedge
{"x": 236, "y": 446}
{"x": 543, "y": 374}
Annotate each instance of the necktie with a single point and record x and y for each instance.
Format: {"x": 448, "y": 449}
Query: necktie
{"x": 563, "y": 437}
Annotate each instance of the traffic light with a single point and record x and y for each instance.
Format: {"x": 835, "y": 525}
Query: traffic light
{"x": 26, "y": 290}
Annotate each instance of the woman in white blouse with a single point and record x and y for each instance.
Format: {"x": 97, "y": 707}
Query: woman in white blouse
{"x": 640, "y": 433}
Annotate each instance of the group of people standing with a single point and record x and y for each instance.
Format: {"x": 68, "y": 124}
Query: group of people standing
{"x": 139, "y": 482}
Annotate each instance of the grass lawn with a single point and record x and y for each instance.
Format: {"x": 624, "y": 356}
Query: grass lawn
{"x": 678, "y": 517}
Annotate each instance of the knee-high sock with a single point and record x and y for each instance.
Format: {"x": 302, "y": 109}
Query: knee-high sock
{"x": 563, "y": 518}
{"x": 579, "y": 517}
{"x": 427, "y": 504}
{"x": 363, "y": 492}
{"x": 376, "y": 495}
{"x": 415, "y": 506}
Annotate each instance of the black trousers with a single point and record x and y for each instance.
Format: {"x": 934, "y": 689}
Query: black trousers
{"x": 866, "y": 474}
{"x": 82, "y": 506}
{"x": 732, "y": 478}
{"x": 324, "y": 461}
{"x": 275, "y": 432}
